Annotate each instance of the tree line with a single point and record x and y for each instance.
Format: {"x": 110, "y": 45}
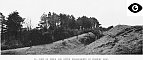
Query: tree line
{"x": 52, "y": 27}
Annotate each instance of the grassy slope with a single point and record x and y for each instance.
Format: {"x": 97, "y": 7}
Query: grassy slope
{"x": 66, "y": 46}
{"x": 121, "y": 39}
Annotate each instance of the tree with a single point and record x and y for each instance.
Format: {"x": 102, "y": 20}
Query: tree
{"x": 54, "y": 21}
{"x": 2, "y": 25}
{"x": 72, "y": 23}
{"x": 84, "y": 22}
{"x": 95, "y": 23}
{"x": 14, "y": 24}
{"x": 44, "y": 25}
{"x": 49, "y": 23}
{"x": 67, "y": 21}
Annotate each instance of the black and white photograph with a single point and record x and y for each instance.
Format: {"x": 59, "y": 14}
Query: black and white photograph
{"x": 71, "y": 27}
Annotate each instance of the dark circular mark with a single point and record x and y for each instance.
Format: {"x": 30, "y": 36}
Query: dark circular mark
{"x": 135, "y": 7}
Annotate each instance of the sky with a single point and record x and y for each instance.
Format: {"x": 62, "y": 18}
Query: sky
{"x": 108, "y": 12}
